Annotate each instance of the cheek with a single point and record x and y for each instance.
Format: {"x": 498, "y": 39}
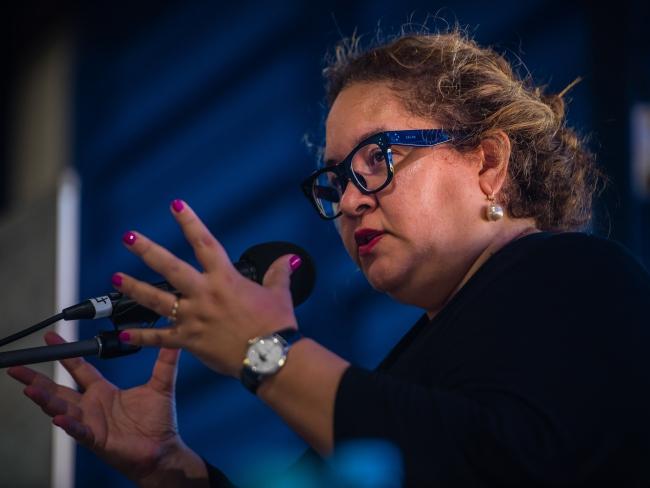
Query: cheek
{"x": 439, "y": 201}
{"x": 423, "y": 196}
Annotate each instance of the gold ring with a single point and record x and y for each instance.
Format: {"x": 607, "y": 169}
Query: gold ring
{"x": 172, "y": 316}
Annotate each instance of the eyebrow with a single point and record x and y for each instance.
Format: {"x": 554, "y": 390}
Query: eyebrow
{"x": 362, "y": 137}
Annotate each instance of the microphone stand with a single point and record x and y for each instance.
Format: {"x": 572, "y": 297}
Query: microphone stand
{"x": 106, "y": 345}
{"x": 124, "y": 312}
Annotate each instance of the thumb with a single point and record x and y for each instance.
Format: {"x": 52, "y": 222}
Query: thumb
{"x": 279, "y": 273}
{"x": 163, "y": 377}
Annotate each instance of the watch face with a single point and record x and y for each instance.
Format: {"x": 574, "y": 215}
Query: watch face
{"x": 266, "y": 355}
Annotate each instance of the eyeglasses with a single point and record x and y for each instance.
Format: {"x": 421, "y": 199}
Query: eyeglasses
{"x": 369, "y": 167}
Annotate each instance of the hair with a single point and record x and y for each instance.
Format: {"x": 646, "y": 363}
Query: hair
{"x": 552, "y": 176}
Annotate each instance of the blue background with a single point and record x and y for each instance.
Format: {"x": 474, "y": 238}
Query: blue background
{"x": 212, "y": 102}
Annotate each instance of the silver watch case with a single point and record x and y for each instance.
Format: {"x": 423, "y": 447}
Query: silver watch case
{"x": 266, "y": 354}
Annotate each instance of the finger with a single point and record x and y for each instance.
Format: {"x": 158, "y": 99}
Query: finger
{"x": 23, "y": 374}
{"x": 149, "y": 296}
{"x": 169, "y": 337}
{"x": 207, "y": 249}
{"x": 29, "y": 377}
{"x": 75, "y": 429}
{"x": 278, "y": 275}
{"x": 179, "y": 273}
{"x": 50, "y": 403}
{"x": 81, "y": 371}
{"x": 163, "y": 378}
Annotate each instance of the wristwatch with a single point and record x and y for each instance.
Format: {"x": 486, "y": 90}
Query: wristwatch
{"x": 265, "y": 356}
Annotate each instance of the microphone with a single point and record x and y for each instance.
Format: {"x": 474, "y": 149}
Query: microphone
{"x": 252, "y": 264}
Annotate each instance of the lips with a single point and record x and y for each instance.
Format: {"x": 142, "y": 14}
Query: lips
{"x": 366, "y": 239}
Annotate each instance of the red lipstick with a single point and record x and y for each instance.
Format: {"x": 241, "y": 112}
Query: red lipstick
{"x": 366, "y": 239}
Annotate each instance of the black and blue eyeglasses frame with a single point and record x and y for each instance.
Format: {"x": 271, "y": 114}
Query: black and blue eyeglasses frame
{"x": 384, "y": 140}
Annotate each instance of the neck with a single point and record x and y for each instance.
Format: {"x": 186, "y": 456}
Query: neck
{"x": 511, "y": 230}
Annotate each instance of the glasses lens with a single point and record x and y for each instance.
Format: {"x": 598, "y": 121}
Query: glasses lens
{"x": 370, "y": 167}
{"x": 327, "y": 190}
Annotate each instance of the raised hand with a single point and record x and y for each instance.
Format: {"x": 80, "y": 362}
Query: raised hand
{"x": 220, "y": 310}
{"x": 133, "y": 430}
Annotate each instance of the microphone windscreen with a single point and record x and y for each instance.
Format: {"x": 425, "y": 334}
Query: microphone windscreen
{"x": 261, "y": 256}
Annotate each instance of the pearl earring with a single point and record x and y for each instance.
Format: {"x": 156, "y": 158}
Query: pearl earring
{"x": 494, "y": 211}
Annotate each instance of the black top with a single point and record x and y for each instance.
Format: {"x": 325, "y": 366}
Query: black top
{"x": 536, "y": 373}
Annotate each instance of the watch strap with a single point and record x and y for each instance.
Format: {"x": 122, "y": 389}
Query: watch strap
{"x": 252, "y": 380}
{"x": 290, "y": 335}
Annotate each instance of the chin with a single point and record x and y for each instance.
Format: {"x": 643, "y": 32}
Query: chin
{"x": 385, "y": 280}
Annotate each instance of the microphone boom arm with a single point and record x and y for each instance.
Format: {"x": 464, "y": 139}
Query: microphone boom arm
{"x": 106, "y": 345}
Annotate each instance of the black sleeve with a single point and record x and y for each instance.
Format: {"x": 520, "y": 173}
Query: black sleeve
{"x": 546, "y": 382}
{"x": 216, "y": 478}
{"x": 418, "y": 420}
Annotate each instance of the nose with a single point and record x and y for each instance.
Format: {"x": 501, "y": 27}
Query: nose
{"x": 354, "y": 203}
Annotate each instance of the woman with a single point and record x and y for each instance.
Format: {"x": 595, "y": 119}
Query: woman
{"x": 452, "y": 181}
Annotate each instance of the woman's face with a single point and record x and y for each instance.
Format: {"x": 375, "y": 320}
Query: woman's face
{"x": 429, "y": 217}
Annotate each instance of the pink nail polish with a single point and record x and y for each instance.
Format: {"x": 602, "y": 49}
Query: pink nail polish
{"x": 178, "y": 205}
{"x": 124, "y": 336}
{"x": 295, "y": 262}
{"x": 116, "y": 280}
{"x": 129, "y": 238}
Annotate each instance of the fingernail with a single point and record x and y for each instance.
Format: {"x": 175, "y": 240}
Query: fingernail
{"x": 295, "y": 262}
{"x": 178, "y": 205}
{"x": 129, "y": 238}
{"x": 124, "y": 336}
{"x": 116, "y": 279}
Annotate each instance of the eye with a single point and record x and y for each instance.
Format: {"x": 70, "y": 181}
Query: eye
{"x": 327, "y": 193}
{"x": 334, "y": 180}
{"x": 376, "y": 158}
{"x": 373, "y": 160}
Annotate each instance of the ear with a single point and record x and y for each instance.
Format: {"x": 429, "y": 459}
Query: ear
{"x": 494, "y": 151}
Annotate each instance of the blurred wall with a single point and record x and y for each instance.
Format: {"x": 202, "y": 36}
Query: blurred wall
{"x": 37, "y": 151}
